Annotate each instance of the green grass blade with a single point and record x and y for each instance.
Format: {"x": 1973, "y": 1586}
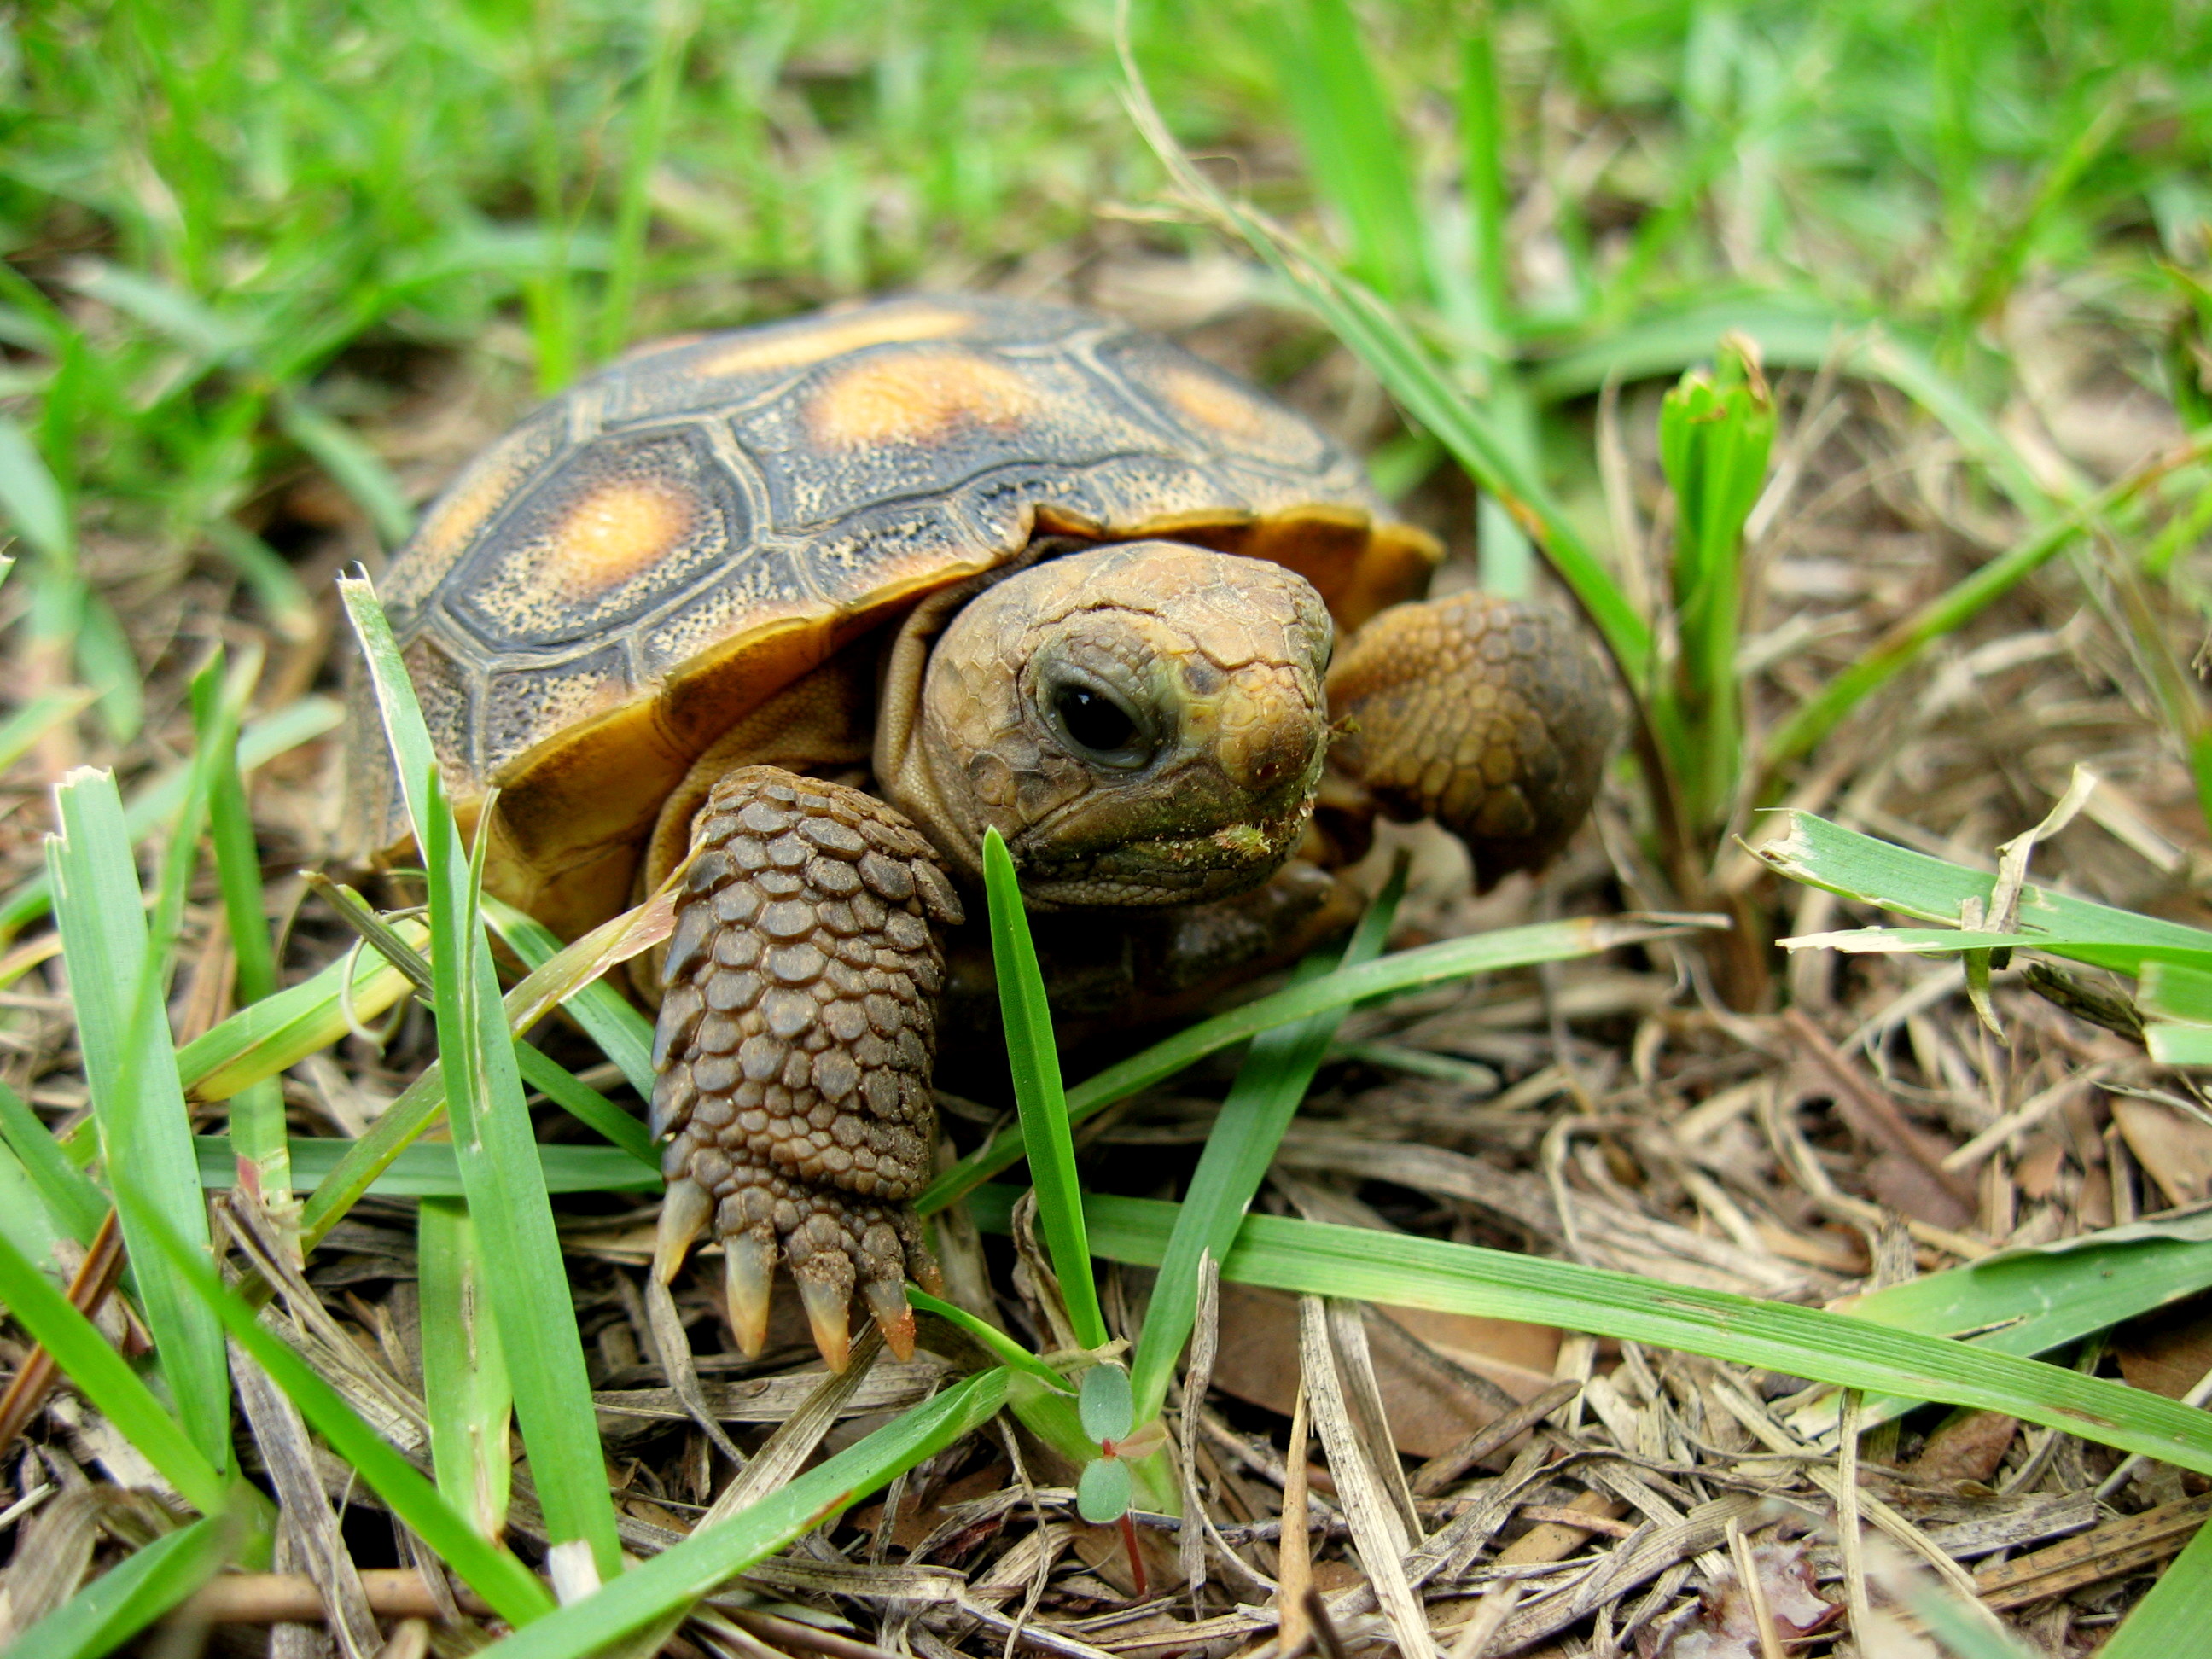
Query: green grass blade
{"x": 1277, "y": 1071}
{"x": 428, "y": 1170}
{"x": 26, "y": 1219}
{"x": 1508, "y": 947}
{"x": 678, "y": 1578}
{"x": 2170, "y": 1621}
{"x": 1812, "y": 850}
{"x": 1034, "y": 1060}
{"x": 467, "y": 1391}
{"x": 674, "y": 24}
{"x": 77, "y": 1205}
{"x": 1009, "y": 1353}
{"x": 1351, "y": 140}
{"x": 624, "y": 1034}
{"x": 1715, "y": 431}
{"x": 23, "y": 730}
{"x": 1967, "y": 1630}
{"x": 32, "y": 499}
{"x": 152, "y": 804}
{"x": 117, "y": 975}
{"x": 131, "y": 1594}
{"x": 585, "y": 1104}
{"x": 487, "y": 1568}
{"x": 1489, "y": 200}
{"x": 566, "y": 976}
{"x": 105, "y": 1379}
{"x": 525, "y": 1280}
{"x": 266, "y": 1038}
{"x": 352, "y": 464}
{"x": 1313, "y": 1258}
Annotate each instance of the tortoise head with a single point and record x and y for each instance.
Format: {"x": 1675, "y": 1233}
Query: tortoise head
{"x": 1144, "y": 723}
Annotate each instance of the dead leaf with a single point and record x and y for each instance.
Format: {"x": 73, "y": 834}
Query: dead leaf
{"x": 1967, "y": 1448}
{"x": 2174, "y": 1150}
{"x": 2168, "y": 1352}
{"x": 1430, "y": 1409}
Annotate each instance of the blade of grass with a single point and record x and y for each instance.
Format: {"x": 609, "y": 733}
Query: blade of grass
{"x": 1009, "y": 1353}
{"x": 428, "y": 1168}
{"x": 1715, "y": 431}
{"x": 131, "y": 1594}
{"x": 674, "y": 24}
{"x": 488, "y": 1567}
{"x": 1812, "y": 850}
{"x": 267, "y": 1036}
{"x": 466, "y": 1392}
{"x": 35, "y": 719}
{"x": 25, "y": 1217}
{"x": 105, "y": 1379}
{"x": 680, "y": 1575}
{"x": 1347, "y": 129}
{"x": 77, "y": 1205}
{"x": 1034, "y": 1060}
{"x": 117, "y": 973}
{"x": 624, "y": 1034}
{"x": 1510, "y": 947}
{"x": 584, "y": 1103}
{"x": 1277, "y": 1071}
{"x": 352, "y": 465}
{"x": 562, "y": 976}
{"x": 524, "y": 1277}
{"x": 1314, "y": 1258}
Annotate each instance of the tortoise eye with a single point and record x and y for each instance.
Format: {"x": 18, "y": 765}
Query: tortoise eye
{"x": 1098, "y": 727}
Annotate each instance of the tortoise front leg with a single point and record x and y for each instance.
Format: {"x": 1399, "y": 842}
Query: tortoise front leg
{"x": 797, "y": 1037}
{"x": 1489, "y": 716}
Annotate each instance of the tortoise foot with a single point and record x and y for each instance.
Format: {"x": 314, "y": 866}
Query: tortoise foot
{"x": 1490, "y": 716}
{"x": 795, "y": 1044}
{"x": 835, "y": 1245}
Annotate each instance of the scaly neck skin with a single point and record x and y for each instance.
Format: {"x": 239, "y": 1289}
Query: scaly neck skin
{"x": 1143, "y": 723}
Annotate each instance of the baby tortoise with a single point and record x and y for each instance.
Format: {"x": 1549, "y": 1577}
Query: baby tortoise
{"x": 822, "y": 601}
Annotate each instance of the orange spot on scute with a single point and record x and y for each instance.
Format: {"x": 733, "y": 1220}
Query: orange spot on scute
{"x": 609, "y": 536}
{"x": 831, "y": 339}
{"x": 916, "y": 397}
{"x": 1213, "y": 405}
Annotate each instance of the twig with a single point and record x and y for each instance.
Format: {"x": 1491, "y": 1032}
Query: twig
{"x": 1849, "y": 1537}
{"x": 1294, "y": 1572}
{"x": 1747, "y": 1570}
{"x": 1446, "y": 1467}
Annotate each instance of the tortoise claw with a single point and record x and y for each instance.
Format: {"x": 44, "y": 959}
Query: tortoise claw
{"x": 683, "y": 1213}
{"x": 826, "y": 1303}
{"x": 887, "y": 1299}
{"x": 749, "y": 1265}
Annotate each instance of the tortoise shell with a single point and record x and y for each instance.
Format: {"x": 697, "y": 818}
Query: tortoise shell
{"x": 647, "y": 557}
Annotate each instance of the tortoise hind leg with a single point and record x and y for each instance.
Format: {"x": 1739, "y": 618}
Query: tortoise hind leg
{"x": 795, "y": 1046}
{"x": 1489, "y": 716}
